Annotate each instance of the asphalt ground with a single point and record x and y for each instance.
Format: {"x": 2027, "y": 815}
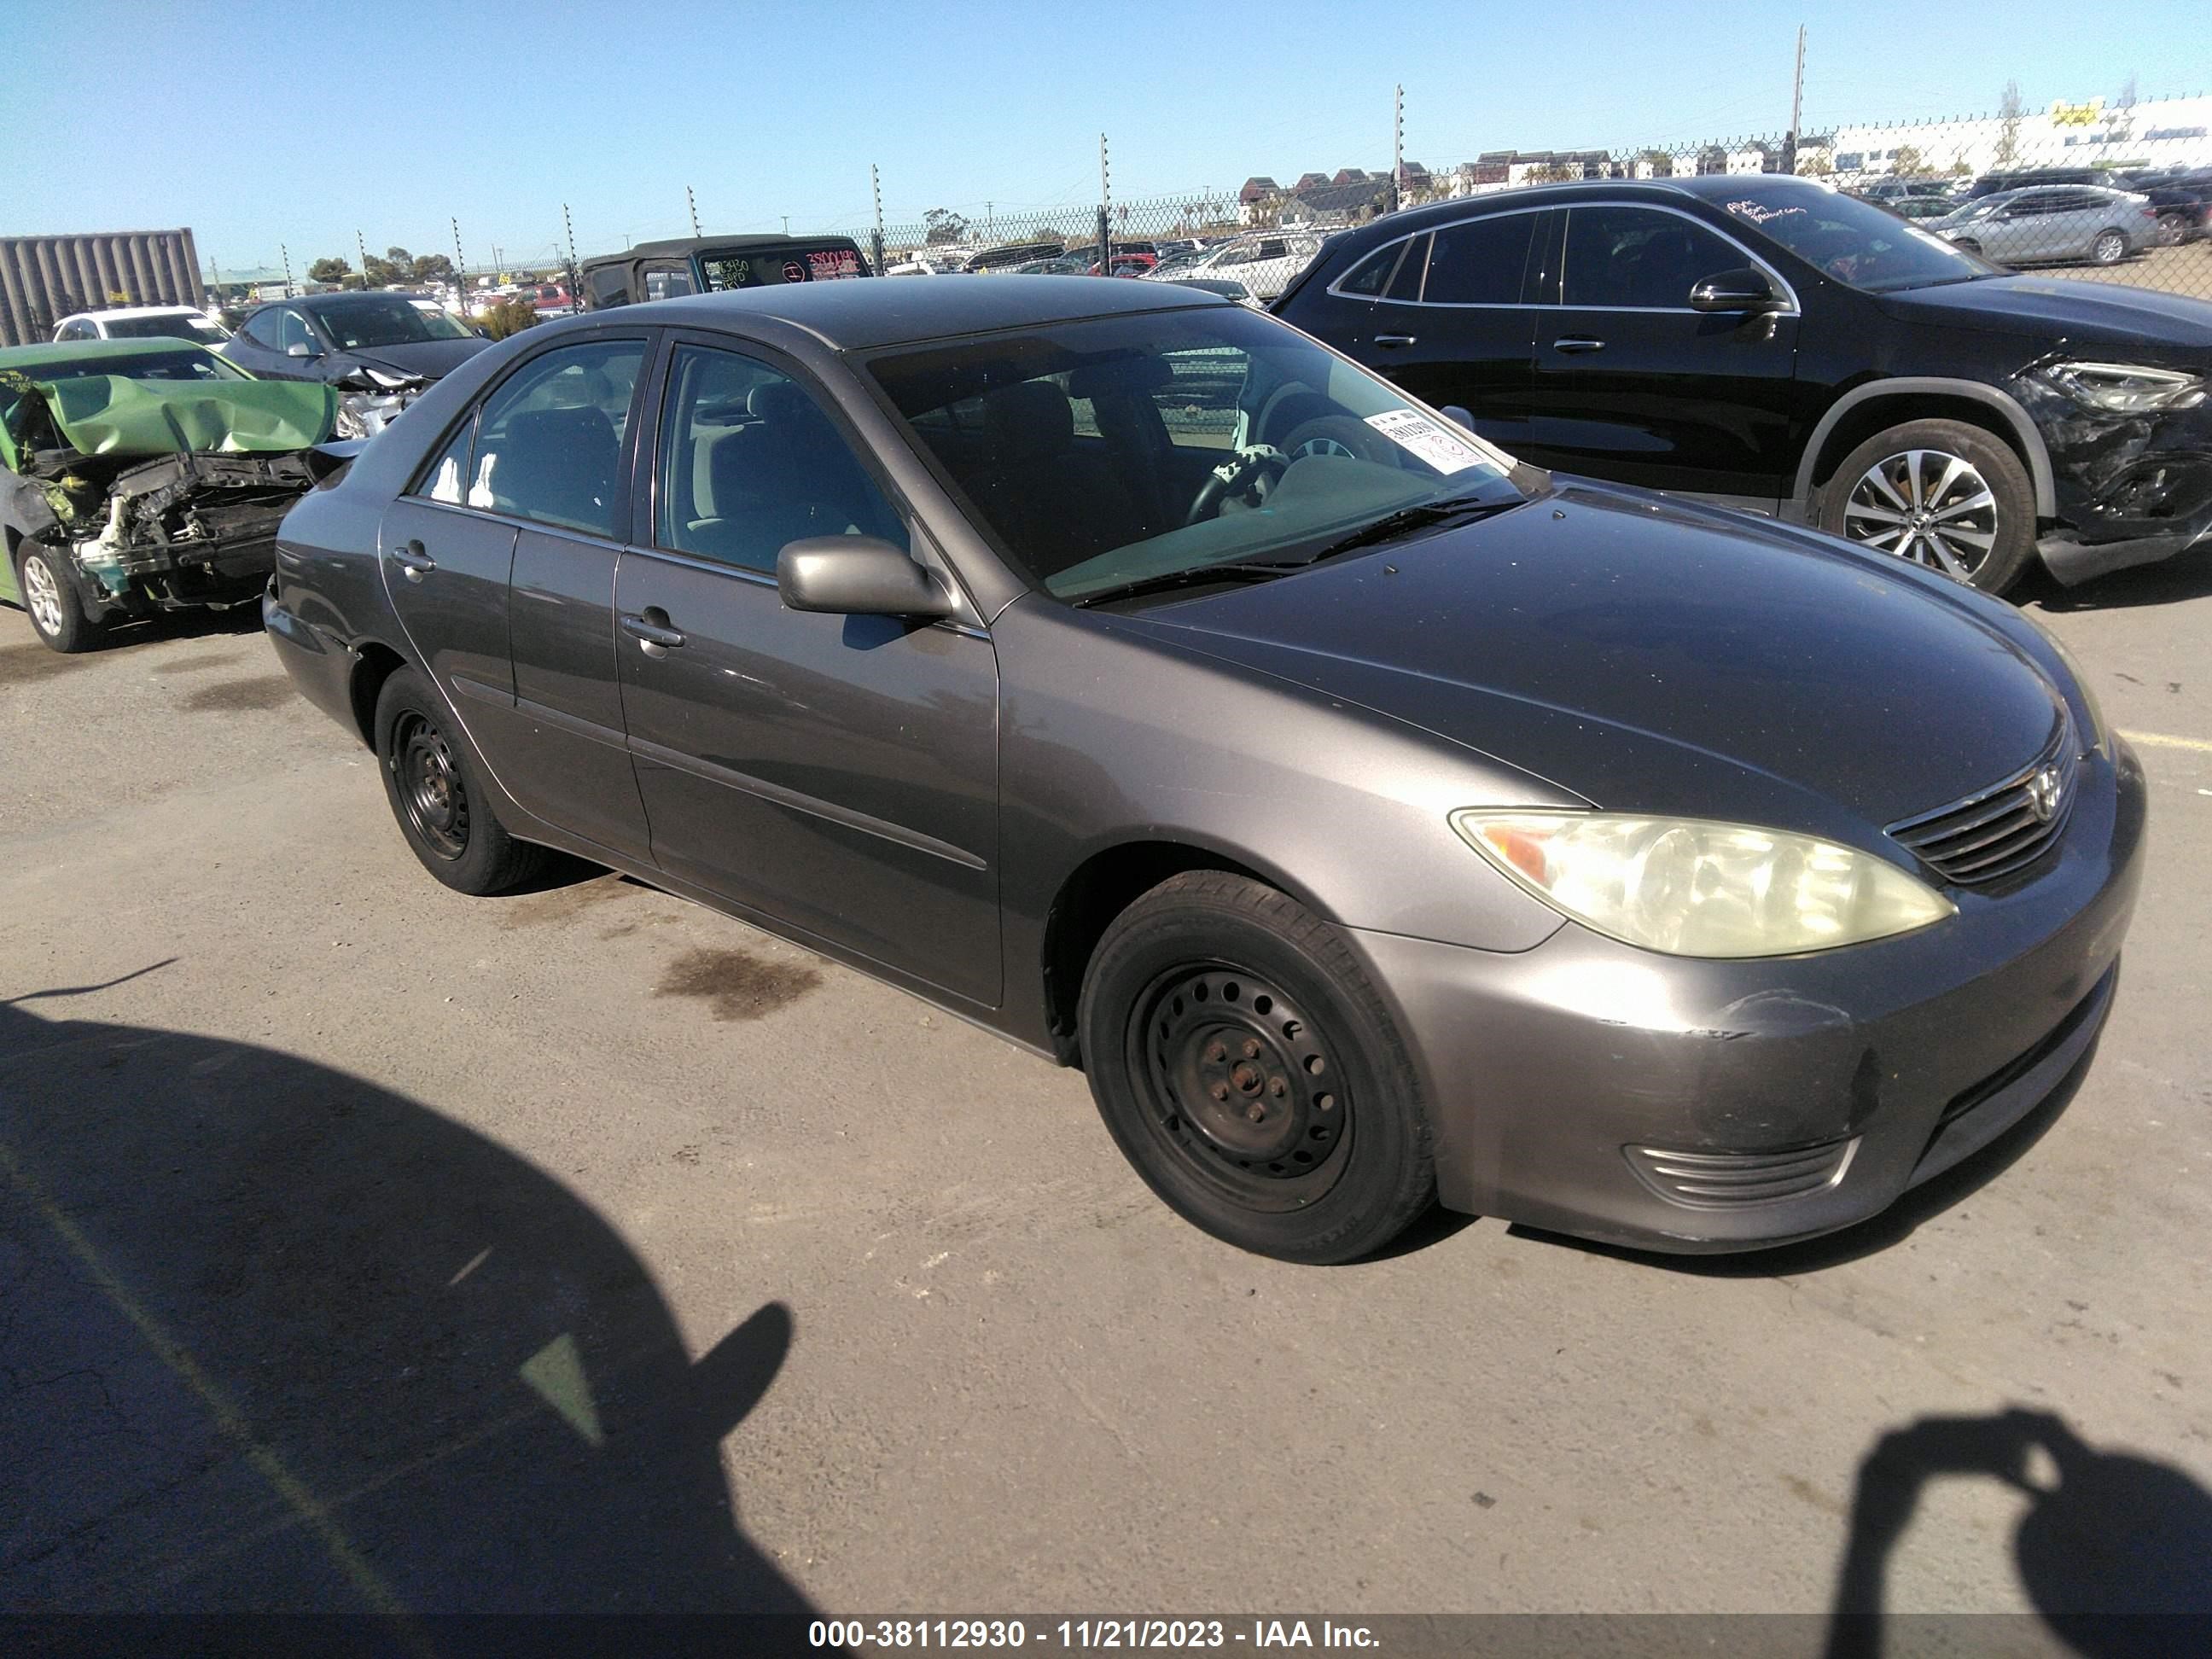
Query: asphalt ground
{"x": 367, "y": 1247}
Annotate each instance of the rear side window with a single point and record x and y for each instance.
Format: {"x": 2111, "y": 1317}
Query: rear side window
{"x": 1479, "y": 262}
{"x": 667, "y": 281}
{"x": 549, "y": 440}
{"x": 1638, "y": 259}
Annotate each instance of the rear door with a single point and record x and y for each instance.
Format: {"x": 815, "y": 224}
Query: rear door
{"x": 1447, "y": 319}
{"x": 1632, "y": 384}
{"x": 839, "y": 774}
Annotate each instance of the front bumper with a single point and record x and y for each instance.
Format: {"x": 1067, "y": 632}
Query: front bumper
{"x": 1566, "y": 1082}
{"x": 2131, "y": 489}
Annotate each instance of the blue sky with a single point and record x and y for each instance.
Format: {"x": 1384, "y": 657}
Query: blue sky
{"x": 300, "y": 123}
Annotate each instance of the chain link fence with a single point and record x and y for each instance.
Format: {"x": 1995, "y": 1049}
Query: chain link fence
{"x": 2118, "y": 194}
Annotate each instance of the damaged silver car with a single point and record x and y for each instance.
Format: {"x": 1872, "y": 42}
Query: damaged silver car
{"x": 144, "y": 475}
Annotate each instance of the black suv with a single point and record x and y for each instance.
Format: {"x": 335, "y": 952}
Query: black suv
{"x": 1770, "y": 344}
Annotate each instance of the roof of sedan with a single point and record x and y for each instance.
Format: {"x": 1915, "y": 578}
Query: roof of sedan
{"x": 1714, "y": 186}
{"x": 880, "y": 311}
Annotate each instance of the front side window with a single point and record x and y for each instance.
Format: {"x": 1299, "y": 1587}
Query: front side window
{"x": 1636, "y": 259}
{"x": 1479, "y": 262}
{"x": 265, "y": 330}
{"x": 292, "y": 331}
{"x": 749, "y": 462}
{"x": 549, "y": 440}
{"x": 1124, "y": 450}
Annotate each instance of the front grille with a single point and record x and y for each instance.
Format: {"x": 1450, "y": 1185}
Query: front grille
{"x": 2002, "y": 829}
{"x": 2011, "y": 1073}
{"x": 1728, "y": 1181}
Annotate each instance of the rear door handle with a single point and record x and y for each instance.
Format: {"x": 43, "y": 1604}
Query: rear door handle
{"x": 652, "y": 632}
{"x": 1577, "y": 342}
{"x": 414, "y": 564}
{"x": 1392, "y": 341}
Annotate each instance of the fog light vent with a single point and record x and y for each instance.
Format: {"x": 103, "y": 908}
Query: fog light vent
{"x": 1735, "y": 1181}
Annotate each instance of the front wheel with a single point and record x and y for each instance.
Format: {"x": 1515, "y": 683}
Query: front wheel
{"x": 57, "y": 616}
{"x": 1251, "y": 1071}
{"x": 2109, "y": 249}
{"x": 446, "y": 819}
{"x": 1943, "y": 493}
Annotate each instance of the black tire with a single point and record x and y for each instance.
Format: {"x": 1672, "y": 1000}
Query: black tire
{"x": 2110, "y": 247}
{"x": 50, "y": 599}
{"x": 443, "y": 812}
{"x": 1251, "y": 1073}
{"x": 2009, "y": 523}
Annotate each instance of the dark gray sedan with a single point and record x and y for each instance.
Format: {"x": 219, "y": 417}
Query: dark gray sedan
{"x": 1374, "y": 819}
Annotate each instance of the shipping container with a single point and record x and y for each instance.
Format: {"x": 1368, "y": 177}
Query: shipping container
{"x": 46, "y": 278}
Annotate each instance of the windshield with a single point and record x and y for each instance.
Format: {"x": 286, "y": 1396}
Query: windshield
{"x": 398, "y": 320}
{"x": 1853, "y": 241}
{"x": 178, "y": 325}
{"x": 764, "y": 267}
{"x": 1128, "y": 449}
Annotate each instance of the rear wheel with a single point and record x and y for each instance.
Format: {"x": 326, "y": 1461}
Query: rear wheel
{"x": 446, "y": 819}
{"x": 2109, "y": 249}
{"x": 1249, "y": 1070}
{"x": 1943, "y": 493}
{"x": 57, "y": 617}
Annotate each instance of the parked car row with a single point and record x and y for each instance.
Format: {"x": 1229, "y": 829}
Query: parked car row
{"x": 2179, "y": 200}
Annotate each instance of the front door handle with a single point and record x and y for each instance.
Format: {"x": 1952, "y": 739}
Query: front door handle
{"x": 1577, "y": 342}
{"x": 414, "y": 564}
{"x": 652, "y": 632}
{"x": 1392, "y": 341}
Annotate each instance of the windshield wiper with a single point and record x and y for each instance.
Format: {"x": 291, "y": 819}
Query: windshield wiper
{"x": 1197, "y": 576}
{"x": 1420, "y": 516}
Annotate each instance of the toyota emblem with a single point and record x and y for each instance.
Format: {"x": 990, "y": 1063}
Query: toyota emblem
{"x": 2043, "y": 793}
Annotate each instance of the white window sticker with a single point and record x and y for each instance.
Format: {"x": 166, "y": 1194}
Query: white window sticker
{"x": 1425, "y": 439}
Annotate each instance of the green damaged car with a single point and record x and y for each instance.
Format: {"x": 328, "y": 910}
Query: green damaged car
{"x": 148, "y": 475}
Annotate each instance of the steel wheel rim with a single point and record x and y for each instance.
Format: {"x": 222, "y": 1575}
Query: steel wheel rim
{"x": 428, "y": 778}
{"x": 42, "y": 596}
{"x": 1927, "y": 505}
{"x": 2109, "y": 249}
{"x": 1240, "y": 1087}
{"x": 1322, "y": 446}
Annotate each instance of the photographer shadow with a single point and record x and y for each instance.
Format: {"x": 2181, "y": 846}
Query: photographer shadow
{"x": 276, "y": 1339}
{"x": 2115, "y": 1551}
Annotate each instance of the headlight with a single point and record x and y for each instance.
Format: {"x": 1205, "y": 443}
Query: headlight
{"x": 1693, "y": 888}
{"x": 2130, "y": 389}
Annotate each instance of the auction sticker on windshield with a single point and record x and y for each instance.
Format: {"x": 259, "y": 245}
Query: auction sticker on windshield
{"x": 1421, "y": 437}
{"x": 830, "y": 263}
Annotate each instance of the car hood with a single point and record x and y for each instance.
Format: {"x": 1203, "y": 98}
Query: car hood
{"x": 1651, "y": 656}
{"x": 111, "y": 417}
{"x": 2060, "y": 309}
{"x": 429, "y": 358}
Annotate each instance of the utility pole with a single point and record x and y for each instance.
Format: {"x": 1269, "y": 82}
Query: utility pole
{"x": 361, "y": 242}
{"x": 1105, "y": 210}
{"x": 1796, "y": 106}
{"x": 461, "y": 267}
{"x": 1398, "y": 151}
{"x": 285, "y": 253}
{"x": 575, "y": 280}
{"x": 990, "y": 222}
{"x": 692, "y": 203}
{"x": 876, "y": 186}
{"x": 786, "y": 224}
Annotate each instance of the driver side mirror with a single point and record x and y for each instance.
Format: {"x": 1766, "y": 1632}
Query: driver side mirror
{"x": 301, "y": 348}
{"x": 1745, "y": 291}
{"x": 857, "y": 576}
{"x": 481, "y": 331}
{"x": 1457, "y": 415}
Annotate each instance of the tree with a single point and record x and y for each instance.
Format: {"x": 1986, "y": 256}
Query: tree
{"x": 382, "y": 273}
{"x": 1553, "y": 172}
{"x": 1814, "y": 164}
{"x": 329, "y": 271}
{"x": 504, "y": 317}
{"x": 1907, "y": 163}
{"x": 431, "y": 268}
{"x": 942, "y": 225}
{"x": 2008, "y": 112}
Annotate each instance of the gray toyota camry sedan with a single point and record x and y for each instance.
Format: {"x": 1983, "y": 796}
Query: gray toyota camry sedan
{"x": 1376, "y": 821}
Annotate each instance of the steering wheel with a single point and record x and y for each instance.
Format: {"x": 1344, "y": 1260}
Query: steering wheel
{"x": 1339, "y": 434}
{"x": 1251, "y": 471}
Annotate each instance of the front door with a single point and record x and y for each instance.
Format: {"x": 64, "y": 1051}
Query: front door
{"x": 839, "y": 774}
{"x": 1632, "y": 385}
